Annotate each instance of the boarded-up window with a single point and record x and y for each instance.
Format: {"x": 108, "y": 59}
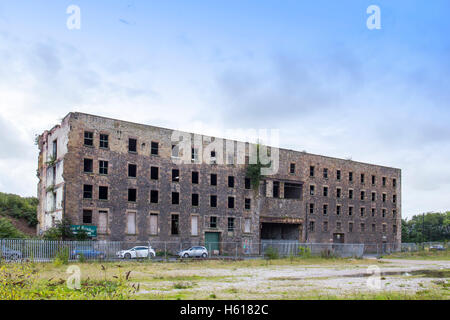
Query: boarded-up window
{"x": 103, "y": 221}
{"x": 194, "y": 225}
{"x": 131, "y": 223}
{"x": 247, "y": 225}
{"x": 153, "y": 224}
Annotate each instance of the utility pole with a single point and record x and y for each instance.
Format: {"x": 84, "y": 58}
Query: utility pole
{"x": 423, "y": 230}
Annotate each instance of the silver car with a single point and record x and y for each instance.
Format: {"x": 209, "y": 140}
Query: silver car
{"x": 10, "y": 254}
{"x": 437, "y": 247}
{"x": 193, "y": 252}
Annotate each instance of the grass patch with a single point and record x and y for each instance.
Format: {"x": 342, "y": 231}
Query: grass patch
{"x": 421, "y": 255}
{"x": 25, "y": 282}
{"x": 183, "y": 285}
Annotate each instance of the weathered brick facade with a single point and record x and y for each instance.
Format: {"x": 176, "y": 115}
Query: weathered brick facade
{"x": 61, "y": 193}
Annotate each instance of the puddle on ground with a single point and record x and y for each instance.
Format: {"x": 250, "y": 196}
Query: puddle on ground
{"x": 426, "y": 273}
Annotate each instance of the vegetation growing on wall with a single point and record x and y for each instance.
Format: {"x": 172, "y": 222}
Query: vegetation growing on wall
{"x": 254, "y": 170}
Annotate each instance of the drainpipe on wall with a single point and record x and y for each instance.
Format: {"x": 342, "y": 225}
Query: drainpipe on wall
{"x": 64, "y": 201}
{"x": 306, "y": 223}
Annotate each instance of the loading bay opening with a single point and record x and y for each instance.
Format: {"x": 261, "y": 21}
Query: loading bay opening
{"x": 280, "y": 231}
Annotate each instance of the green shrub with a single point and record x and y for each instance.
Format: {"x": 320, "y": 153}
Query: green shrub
{"x": 271, "y": 253}
{"x": 52, "y": 233}
{"x": 328, "y": 254}
{"x": 304, "y": 252}
{"x": 82, "y": 258}
{"x": 7, "y": 230}
{"x": 182, "y": 285}
{"x": 62, "y": 257}
{"x": 81, "y": 235}
{"x": 61, "y": 231}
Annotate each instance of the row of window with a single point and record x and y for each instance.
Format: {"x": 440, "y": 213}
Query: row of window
{"x": 211, "y": 222}
{"x": 325, "y": 211}
{"x": 325, "y": 174}
{"x": 132, "y": 143}
{"x": 311, "y": 227}
{"x": 154, "y": 197}
{"x": 154, "y": 175}
{"x": 154, "y": 147}
{"x": 325, "y": 193}
{"x": 154, "y": 150}
{"x": 88, "y": 167}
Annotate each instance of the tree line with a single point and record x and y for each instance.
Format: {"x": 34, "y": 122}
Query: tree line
{"x": 427, "y": 227}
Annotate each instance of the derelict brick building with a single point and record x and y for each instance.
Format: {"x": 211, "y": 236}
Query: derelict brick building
{"x": 120, "y": 177}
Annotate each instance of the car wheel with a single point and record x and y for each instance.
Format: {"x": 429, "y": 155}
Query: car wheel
{"x": 127, "y": 256}
{"x": 101, "y": 256}
{"x": 78, "y": 257}
{"x": 186, "y": 255}
{"x": 152, "y": 255}
{"x": 204, "y": 255}
{"x": 14, "y": 256}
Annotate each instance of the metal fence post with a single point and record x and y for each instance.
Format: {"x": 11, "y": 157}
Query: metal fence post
{"x": 148, "y": 249}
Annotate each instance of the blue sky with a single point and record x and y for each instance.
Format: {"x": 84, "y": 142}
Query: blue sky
{"x": 309, "y": 68}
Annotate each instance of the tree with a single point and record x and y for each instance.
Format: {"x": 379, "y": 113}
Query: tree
{"x": 19, "y": 207}
{"x": 8, "y": 231}
{"x": 432, "y": 226}
{"x": 61, "y": 231}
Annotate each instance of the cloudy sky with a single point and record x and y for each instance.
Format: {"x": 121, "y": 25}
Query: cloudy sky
{"x": 309, "y": 68}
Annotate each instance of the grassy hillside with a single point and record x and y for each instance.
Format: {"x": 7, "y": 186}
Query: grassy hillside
{"x": 8, "y": 230}
{"x": 17, "y": 215}
{"x": 19, "y": 208}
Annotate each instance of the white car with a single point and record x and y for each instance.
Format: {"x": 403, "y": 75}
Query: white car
{"x": 193, "y": 252}
{"x": 136, "y": 252}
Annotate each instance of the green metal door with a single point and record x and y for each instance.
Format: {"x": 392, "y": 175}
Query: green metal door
{"x": 212, "y": 242}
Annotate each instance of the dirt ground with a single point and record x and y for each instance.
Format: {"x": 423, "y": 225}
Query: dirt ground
{"x": 338, "y": 280}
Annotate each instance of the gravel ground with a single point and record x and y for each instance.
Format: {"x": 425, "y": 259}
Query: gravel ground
{"x": 286, "y": 281}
